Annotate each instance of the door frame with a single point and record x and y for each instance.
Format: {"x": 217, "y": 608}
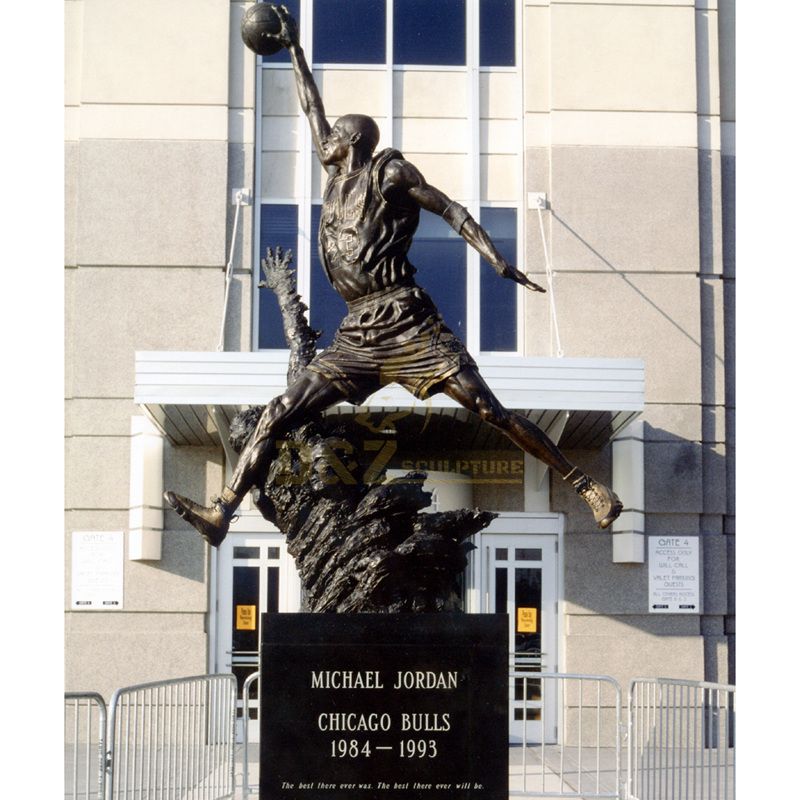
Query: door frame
{"x": 477, "y": 592}
{"x": 251, "y": 529}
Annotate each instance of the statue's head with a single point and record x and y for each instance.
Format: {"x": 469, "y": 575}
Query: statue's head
{"x": 356, "y": 131}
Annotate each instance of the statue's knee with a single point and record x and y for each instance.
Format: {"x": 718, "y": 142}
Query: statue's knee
{"x": 493, "y": 414}
{"x": 271, "y": 417}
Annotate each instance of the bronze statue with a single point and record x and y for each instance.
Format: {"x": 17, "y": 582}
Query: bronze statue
{"x": 392, "y": 331}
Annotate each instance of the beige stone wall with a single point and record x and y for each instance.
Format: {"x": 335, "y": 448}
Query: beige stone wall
{"x": 159, "y": 127}
{"x": 625, "y": 108}
{"x": 627, "y": 112}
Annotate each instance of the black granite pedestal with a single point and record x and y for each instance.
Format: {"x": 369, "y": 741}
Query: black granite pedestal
{"x": 384, "y": 706}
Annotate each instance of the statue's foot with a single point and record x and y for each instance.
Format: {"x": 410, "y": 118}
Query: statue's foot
{"x": 211, "y": 523}
{"x": 605, "y": 505}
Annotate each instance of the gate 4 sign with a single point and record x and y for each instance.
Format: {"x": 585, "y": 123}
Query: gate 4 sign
{"x": 674, "y": 572}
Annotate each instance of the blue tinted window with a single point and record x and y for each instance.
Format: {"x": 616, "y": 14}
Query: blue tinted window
{"x": 497, "y": 21}
{"x": 350, "y": 33}
{"x": 499, "y": 295}
{"x": 440, "y": 256}
{"x": 278, "y": 229}
{"x": 428, "y": 32}
{"x": 327, "y": 308}
{"x": 282, "y": 56}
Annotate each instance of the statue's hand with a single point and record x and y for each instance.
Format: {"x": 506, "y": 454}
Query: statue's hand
{"x": 288, "y": 34}
{"x": 507, "y": 271}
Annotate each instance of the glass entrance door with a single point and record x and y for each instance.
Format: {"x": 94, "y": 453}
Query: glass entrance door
{"x": 256, "y": 576}
{"x": 522, "y": 572}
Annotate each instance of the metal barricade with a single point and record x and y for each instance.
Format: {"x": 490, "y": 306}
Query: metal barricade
{"x": 681, "y": 740}
{"x": 246, "y": 738}
{"x": 173, "y": 738}
{"x": 84, "y": 746}
{"x": 584, "y": 762}
{"x": 570, "y": 736}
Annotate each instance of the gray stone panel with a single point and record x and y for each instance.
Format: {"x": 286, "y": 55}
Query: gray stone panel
{"x": 710, "y": 221}
{"x": 498, "y": 498}
{"x": 729, "y": 215}
{"x": 715, "y": 578}
{"x": 712, "y": 317}
{"x": 240, "y": 175}
{"x": 98, "y": 417}
{"x": 622, "y": 209}
{"x": 105, "y": 651}
{"x": 196, "y": 472}
{"x": 111, "y": 313}
{"x": 70, "y": 203}
{"x": 649, "y": 316}
{"x": 715, "y": 479}
{"x": 177, "y": 581}
{"x": 97, "y": 470}
{"x": 717, "y": 660}
{"x": 151, "y": 203}
{"x": 673, "y": 477}
{"x": 633, "y": 624}
{"x": 537, "y": 179}
{"x": 636, "y": 655}
{"x": 672, "y": 524}
{"x": 714, "y": 424}
{"x": 593, "y": 583}
{"x": 671, "y": 422}
{"x": 238, "y": 328}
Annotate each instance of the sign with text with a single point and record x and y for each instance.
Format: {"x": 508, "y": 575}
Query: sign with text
{"x": 245, "y": 618}
{"x": 674, "y": 572}
{"x": 97, "y": 567}
{"x": 394, "y": 706}
{"x": 526, "y": 620}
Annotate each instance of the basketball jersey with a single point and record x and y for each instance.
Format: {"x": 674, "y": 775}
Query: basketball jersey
{"x": 363, "y": 238}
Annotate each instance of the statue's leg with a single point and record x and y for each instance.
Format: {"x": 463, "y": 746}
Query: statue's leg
{"x": 310, "y": 394}
{"x": 468, "y": 388}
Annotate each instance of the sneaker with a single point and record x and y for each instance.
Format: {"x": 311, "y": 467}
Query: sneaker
{"x": 211, "y": 523}
{"x": 605, "y": 505}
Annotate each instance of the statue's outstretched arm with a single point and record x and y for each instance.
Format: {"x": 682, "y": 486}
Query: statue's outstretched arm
{"x": 403, "y": 178}
{"x": 310, "y": 99}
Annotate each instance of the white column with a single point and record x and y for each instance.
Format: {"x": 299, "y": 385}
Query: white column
{"x": 146, "y": 519}
{"x": 628, "y": 483}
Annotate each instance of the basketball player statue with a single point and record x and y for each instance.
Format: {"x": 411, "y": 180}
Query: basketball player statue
{"x": 392, "y": 331}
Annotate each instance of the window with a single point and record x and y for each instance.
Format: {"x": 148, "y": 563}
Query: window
{"x": 419, "y": 99}
{"x": 327, "y": 309}
{"x": 440, "y": 256}
{"x": 499, "y": 295}
{"x": 430, "y": 33}
{"x": 350, "y": 33}
{"x": 278, "y": 229}
{"x": 425, "y": 32}
{"x": 282, "y": 56}
{"x": 497, "y": 33}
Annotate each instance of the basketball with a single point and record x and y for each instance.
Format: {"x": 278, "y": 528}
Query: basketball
{"x": 258, "y": 21}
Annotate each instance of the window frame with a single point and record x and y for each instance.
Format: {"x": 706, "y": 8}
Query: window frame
{"x": 304, "y": 196}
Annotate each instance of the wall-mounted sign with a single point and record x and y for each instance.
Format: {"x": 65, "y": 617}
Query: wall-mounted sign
{"x": 97, "y": 563}
{"x": 527, "y": 620}
{"x": 674, "y": 572}
{"x": 245, "y": 618}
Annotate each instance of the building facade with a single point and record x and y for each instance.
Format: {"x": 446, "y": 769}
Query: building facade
{"x": 593, "y": 140}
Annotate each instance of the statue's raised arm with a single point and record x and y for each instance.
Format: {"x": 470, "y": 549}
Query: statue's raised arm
{"x": 310, "y": 99}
